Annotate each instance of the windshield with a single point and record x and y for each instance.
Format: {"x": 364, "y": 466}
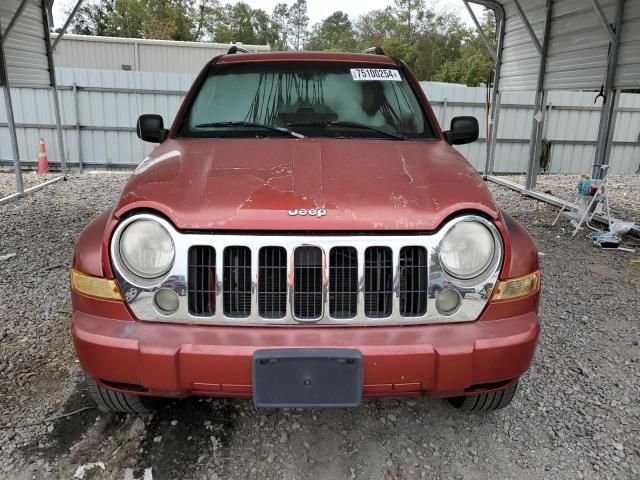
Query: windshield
{"x": 310, "y": 99}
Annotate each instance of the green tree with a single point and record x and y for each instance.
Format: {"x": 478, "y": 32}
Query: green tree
{"x": 241, "y": 23}
{"x": 376, "y": 26}
{"x": 206, "y": 15}
{"x": 425, "y": 39}
{"x": 93, "y": 18}
{"x": 334, "y": 33}
{"x": 442, "y": 37}
{"x": 298, "y": 24}
{"x": 280, "y": 20}
{"x": 472, "y": 64}
{"x": 436, "y": 45}
{"x": 409, "y": 14}
{"x": 156, "y": 19}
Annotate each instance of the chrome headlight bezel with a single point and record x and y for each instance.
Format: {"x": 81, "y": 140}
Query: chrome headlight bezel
{"x": 492, "y": 265}
{"x": 124, "y": 268}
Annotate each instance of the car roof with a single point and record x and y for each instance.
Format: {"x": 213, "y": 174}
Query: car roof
{"x": 307, "y": 57}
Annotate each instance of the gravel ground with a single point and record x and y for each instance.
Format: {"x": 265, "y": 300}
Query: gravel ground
{"x": 577, "y": 414}
{"x": 623, "y": 191}
{"x": 29, "y": 179}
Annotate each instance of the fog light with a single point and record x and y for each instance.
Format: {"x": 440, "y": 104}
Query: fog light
{"x": 166, "y": 300}
{"x": 448, "y": 302}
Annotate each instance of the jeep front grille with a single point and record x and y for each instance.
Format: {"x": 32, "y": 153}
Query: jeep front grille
{"x": 309, "y": 282}
{"x": 291, "y": 279}
{"x": 202, "y": 281}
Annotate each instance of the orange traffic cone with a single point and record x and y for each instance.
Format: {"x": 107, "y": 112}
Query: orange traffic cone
{"x": 43, "y": 161}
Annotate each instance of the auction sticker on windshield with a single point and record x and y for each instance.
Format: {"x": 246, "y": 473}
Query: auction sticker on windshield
{"x": 384, "y": 74}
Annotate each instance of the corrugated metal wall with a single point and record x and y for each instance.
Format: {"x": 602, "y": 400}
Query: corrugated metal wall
{"x": 578, "y": 45}
{"x": 520, "y": 59}
{"x": 573, "y": 121}
{"x": 626, "y": 137}
{"x": 109, "y": 103}
{"x": 81, "y": 51}
{"x": 25, "y": 48}
{"x": 628, "y": 75}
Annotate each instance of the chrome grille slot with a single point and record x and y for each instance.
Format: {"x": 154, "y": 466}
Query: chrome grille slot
{"x": 236, "y": 282}
{"x": 272, "y": 282}
{"x": 413, "y": 281}
{"x": 201, "y": 282}
{"x": 378, "y": 281}
{"x": 307, "y": 283}
{"x": 343, "y": 282}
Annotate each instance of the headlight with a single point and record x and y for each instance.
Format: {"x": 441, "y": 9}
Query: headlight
{"x": 467, "y": 250}
{"x": 146, "y": 249}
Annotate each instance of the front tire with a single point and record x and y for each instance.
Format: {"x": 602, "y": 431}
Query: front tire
{"x": 111, "y": 401}
{"x": 485, "y": 402}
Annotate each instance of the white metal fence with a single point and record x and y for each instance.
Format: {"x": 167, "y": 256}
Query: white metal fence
{"x": 100, "y": 109}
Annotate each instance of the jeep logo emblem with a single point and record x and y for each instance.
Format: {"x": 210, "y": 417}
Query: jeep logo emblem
{"x": 312, "y": 212}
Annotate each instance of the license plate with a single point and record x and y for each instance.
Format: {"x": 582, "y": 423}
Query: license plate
{"x": 307, "y": 377}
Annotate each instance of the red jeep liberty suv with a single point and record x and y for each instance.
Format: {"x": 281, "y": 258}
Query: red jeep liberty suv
{"x": 306, "y": 236}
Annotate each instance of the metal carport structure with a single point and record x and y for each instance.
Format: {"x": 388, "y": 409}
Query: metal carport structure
{"x": 545, "y": 45}
{"x": 542, "y": 45}
{"x": 26, "y": 59}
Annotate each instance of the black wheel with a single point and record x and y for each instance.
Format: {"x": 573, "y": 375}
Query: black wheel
{"x": 110, "y": 401}
{"x": 485, "y": 402}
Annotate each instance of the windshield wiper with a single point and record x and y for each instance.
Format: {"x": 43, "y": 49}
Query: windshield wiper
{"x": 251, "y": 124}
{"x": 347, "y": 123}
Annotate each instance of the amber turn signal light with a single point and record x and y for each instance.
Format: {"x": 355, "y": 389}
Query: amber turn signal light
{"x": 95, "y": 286}
{"x": 517, "y": 287}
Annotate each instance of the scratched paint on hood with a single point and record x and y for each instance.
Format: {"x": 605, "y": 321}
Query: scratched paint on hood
{"x": 241, "y": 184}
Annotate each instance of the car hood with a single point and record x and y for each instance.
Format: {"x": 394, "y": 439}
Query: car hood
{"x": 253, "y": 184}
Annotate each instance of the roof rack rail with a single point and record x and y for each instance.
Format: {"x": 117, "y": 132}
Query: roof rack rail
{"x": 374, "y": 51}
{"x": 236, "y": 49}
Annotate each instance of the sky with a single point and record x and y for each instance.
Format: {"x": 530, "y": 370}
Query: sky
{"x": 318, "y": 9}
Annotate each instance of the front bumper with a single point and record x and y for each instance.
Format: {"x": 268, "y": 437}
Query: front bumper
{"x": 177, "y": 360}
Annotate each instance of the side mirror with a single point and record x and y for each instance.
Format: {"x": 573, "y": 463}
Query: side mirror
{"x": 463, "y": 130}
{"x": 150, "y": 128}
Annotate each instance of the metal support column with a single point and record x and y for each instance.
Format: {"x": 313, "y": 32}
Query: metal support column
{"x": 493, "y": 133}
{"x": 136, "y": 56}
{"x": 445, "y": 104}
{"x": 612, "y": 127}
{"x": 539, "y": 105}
{"x": 607, "y": 117}
{"x": 52, "y": 78}
{"x": 496, "y": 96}
{"x": 539, "y": 117}
{"x": 77, "y": 116}
{"x": 4, "y": 81}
